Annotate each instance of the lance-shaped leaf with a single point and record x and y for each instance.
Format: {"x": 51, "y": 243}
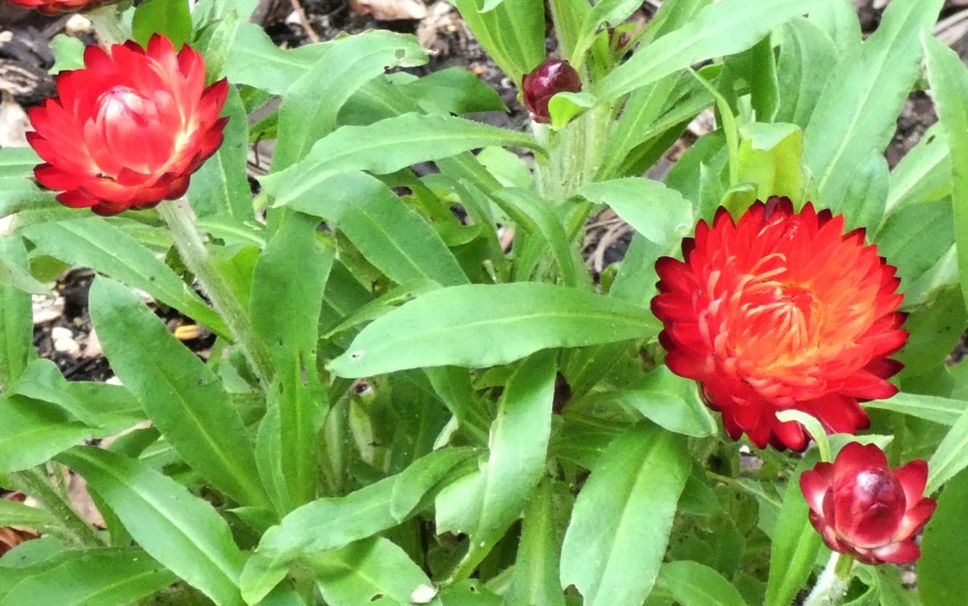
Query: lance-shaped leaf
{"x": 857, "y": 112}
{"x": 334, "y": 522}
{"x": 620, "y": 526}
{"x": 485, "y": 504}
{"x": 724, "y": 28}
{"x": 179, "y": 393}
{"x": 385, "y": 147}
{"x": 16, "y": 325}
{"x": 95, "y": 243}
{"x": 374, "y": 571}
{"x": 175, "y": 527}
{"x": 102, "y": 576}
{"x": 483, "y": 325}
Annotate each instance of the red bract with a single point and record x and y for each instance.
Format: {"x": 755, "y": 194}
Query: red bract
{"x": 864, "y": 508}
{"x": 54, "y": 7}
{"x": 129, "y": 129}
{"x": 779, "y": 311}
{"x": 548, "y": 79}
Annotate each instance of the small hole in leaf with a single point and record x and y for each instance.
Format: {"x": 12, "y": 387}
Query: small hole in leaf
{"x": 356, "y": 355}
{"x": 376, "y": 596}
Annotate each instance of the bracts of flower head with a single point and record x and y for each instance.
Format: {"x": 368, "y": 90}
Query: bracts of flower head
{"x": 129, "y": 129}
{"x": 544, "y": 82}
{"x": 863, "y": 508}
{"x": 781, "y": 310}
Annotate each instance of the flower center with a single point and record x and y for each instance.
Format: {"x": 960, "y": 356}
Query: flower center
{"x": 121, "y": 103}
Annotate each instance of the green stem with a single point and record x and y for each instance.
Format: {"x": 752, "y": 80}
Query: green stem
{"x": 35, "y": 482}
{"x": 181, "y": 222}
{"x": 833, "y": 582}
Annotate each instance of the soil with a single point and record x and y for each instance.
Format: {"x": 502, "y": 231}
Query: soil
{"x": 25, "y": 58}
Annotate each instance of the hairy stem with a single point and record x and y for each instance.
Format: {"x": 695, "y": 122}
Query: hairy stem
{"x": 181, "y": 222}
{"x": 833, "y": 582}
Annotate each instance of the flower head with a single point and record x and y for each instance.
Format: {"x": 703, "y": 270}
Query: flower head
{"x": 54, "y": 7}
{"x": 129, "y": 129}
{"x": 781, "y": 310}
{"x": 547, "y": 80}
{"x": 862, "y": 507}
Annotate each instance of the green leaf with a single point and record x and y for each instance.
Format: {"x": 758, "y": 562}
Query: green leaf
{"x": 770, "y": 158}
{"x": 839, "y": 20}
{"x": 255, "y": 60}
{"x": 660, "y": 214}
{"x": 923, "y": 174}
{"x": 483, "y": 325}
{"x": 68, "y": 53}
{"x": 389, "y": 234}
{"x": 485, "y": 504}
{"x": 16, "y": 318}
{"x": 105, "y": 576}
{"x": 176, "y": 528}
{"x": 374, "y": 571}
{"x": 620, "y": 526}
{"x": 169, "y": 17}
{"x": 665, "y": 399}
{"x": 13, "y": 513}
{"x": 795, "y": 543}
{"x": 95, "y": 243}
{"x": 725, "y": 28}
{"x": 513, "y": 33}
{"x": 866, "y": 196}
{"x": 930, "y": 408}
{"x": 856, "y": 115}
{"x": 807, "y": 56}
{"x": 537, "y": 215}
{"x": 949, "y": 84}
{"x": 951, "y": 455}
{"x": 453, "y": 91}
{"x": 183, "y": 398}
{"x": 220, "y": 188}
{"x": 110, "y": 408}
{"x": 535, "y": 578}
{"x": 941, "y": 578}
{"x": 693, "y": 584}
{"x": 293, "y": 268}
{"x": 334, "y": 522}
{"x": 385, "y": 147}
{"x": 311, "y": 104}
{"x": 32, "y": 432}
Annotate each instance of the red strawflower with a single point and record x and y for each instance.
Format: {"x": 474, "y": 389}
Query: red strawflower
{"x": 54, "y": 7}
{"x": 781, "y": 311}
{"x": 547, "y": 80}
{"x": 862, "y": 507}
{"x": 129, "y": 129}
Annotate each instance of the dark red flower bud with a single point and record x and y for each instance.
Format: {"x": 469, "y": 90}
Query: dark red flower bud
{"x": 129, "y": 129}
{"x": 548, "y": 79}
{"x": 863, "y": 508}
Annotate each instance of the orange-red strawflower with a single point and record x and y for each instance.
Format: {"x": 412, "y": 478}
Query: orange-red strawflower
{"x": 781, "y": 310}
{"x": 862, "y": 507}
{"x": 129, "y": 129}
{"x": 54, "y": 7}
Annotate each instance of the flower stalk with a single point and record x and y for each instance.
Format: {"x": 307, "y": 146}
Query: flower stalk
{"x": 832, "y": 584}
{"x": 181, "y": 223}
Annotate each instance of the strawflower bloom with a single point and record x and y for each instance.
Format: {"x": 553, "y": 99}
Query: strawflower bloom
{"x": 55, "y": 7}
{"x": 863, "y": 508}
{"x": 129, "y": 129}
{"x": 781, "y": 310}
{"x": 547, "y": 80}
